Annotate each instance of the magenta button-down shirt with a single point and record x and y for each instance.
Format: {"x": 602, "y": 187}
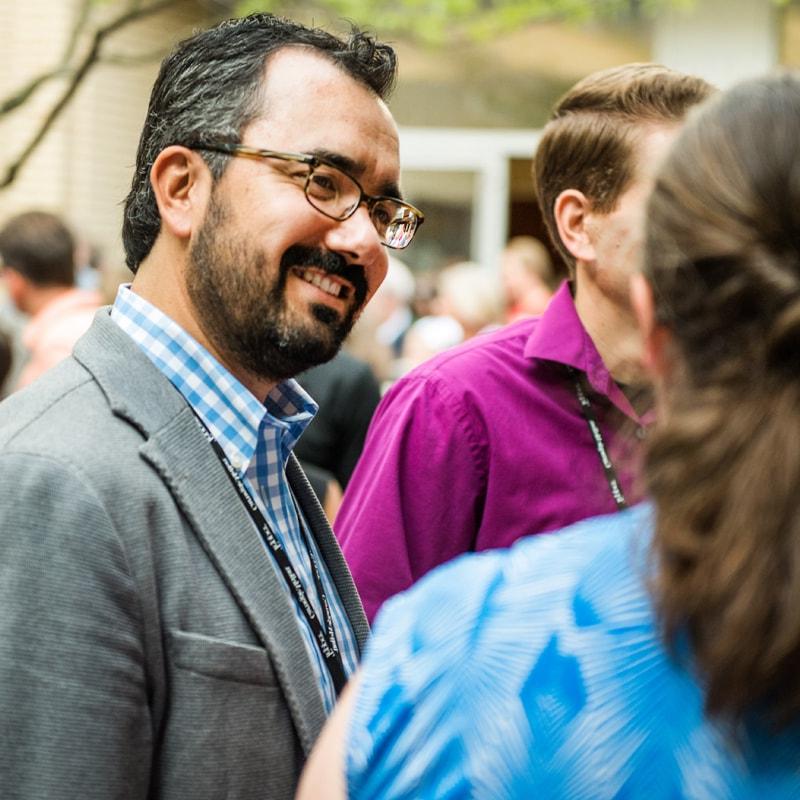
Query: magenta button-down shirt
{"x": 481, "y": 445}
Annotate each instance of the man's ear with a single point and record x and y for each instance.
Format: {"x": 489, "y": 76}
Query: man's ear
{"x": 571, "y": 211}
{"x": 182, "y": 185}
{"x": 656, "y": 338}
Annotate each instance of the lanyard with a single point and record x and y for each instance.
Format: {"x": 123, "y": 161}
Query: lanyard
{"x": 591, "y": 420}
{"x": 325, "y": 639}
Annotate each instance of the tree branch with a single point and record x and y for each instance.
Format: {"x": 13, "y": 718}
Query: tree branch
{"x": 134, "y": 59}
{"x": 24, "y": 93}
{"x": 77, "y": 29}
{"x": 21, "y": 97}
{"x": 131, "y": 15}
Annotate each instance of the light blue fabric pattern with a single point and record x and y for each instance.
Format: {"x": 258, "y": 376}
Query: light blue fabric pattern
{"x": 538, "y": 673}
{"x": 256, "y": 437}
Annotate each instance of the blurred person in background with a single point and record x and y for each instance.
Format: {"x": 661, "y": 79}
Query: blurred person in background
{"x": 326, "y": 488}
{"x": 393, "y": 311}
{"x": 426, "y": 337}
{"x": 519, "y": 430}
{"x": 426, "y": 289}
{"x": 6, "y": 359}
{"x": 12, "y": 322}
{"x": 650, "y": 654}
{"x": 380, "y": 331}
{"x": 347, "y": 393}
{"x": 468, "y": 292}
{"x": 88, "y": 265}
{"x": 468, "y": 301}
{"x": 38, "y": 267}
{"x": 529, "y": 278}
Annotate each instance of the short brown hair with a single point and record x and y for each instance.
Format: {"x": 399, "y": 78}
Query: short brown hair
{"x": 723, "y": 465}
{"x": 40, "y": 247}
{"x": 588, "y": 143}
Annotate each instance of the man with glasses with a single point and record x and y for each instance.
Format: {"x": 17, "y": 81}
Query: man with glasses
{"x": 177, "y": 617}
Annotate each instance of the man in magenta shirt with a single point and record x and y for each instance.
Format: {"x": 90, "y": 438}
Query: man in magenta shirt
{"x": 532, "y": 427}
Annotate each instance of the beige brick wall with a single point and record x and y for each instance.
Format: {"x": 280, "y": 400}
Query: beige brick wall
{"x": 82, "y": 169}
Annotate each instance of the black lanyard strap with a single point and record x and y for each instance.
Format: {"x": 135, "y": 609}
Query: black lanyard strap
{"x": 325, "y": 639}
{"x": 599, "y": 442}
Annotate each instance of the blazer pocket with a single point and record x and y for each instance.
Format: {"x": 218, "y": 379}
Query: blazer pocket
{"x": 218, "y": 658}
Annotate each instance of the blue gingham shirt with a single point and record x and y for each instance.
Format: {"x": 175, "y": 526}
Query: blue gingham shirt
{"x": 257, "y": 438}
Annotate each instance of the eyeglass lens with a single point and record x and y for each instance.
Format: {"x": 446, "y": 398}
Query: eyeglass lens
{"x": 338, "y": 195}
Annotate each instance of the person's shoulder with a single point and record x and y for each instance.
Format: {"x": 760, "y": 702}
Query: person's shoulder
{"x": 65, "y": 415}
{"x": 347, "y": 361}
{"x": 471, "y": 610}
{"x": 575, "y": 549}
{"x": 489, "y": 638}
{"x": 549, "y": 565}
{"x": 21, "y": 412}
{"x": 345, "y": 373}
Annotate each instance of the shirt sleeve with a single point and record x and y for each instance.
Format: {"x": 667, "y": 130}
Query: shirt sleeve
{"x": 416, "y": 496}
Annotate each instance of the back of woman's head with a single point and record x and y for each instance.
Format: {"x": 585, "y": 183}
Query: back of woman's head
{"x": 723, "y": 258}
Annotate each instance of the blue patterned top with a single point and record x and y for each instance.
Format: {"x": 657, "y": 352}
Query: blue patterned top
{"x": 257, "y": 437}
{"x": 537, "y": 672}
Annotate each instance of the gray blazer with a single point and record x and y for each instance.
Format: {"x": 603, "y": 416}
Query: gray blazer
{"x": 147, "y": 648}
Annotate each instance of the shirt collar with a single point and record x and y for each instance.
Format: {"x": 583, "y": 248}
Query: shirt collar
{"x": 290, "y": 409}
{"x": 560, "y": 337}
{"x": 233, "y": 415}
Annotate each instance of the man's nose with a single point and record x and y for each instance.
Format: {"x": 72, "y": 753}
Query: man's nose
{"x": 355, "y": 237}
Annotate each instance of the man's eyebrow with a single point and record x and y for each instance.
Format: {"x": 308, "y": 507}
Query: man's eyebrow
{"x": 355, "y": 169}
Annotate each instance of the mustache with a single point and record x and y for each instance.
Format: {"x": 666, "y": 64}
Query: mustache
{"x": 302, "y": 256}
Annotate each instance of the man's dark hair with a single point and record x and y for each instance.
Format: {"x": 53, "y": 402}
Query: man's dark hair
{"x": 209, "y": 88}
{"x": 40, "y": 247}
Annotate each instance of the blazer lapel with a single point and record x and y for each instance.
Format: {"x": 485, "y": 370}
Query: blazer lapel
{"x": 178, "y": 450}
{"x": 330, "y": 550}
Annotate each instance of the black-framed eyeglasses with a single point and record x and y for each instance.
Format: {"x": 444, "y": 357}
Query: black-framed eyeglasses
{"x": 338, "y": 195}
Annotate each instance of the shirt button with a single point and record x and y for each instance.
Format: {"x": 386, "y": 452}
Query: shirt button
{"x": 640, "y": 432}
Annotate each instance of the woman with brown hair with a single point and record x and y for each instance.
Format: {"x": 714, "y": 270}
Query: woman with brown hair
{"x": 654, "y": 653}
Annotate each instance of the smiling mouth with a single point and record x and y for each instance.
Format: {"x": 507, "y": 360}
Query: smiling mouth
{"x": 328, "y": 284}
